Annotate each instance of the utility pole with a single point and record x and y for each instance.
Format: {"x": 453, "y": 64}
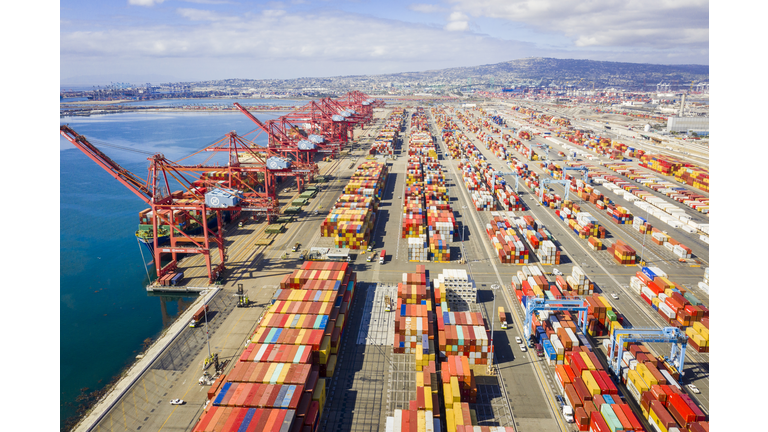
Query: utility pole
{"x": 494, "y": 289}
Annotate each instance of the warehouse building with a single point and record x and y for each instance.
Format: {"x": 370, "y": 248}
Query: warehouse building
{"x": 699, "y": 125}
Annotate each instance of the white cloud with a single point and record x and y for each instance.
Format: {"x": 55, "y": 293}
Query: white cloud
{"x": 605, "y": 23}
{"x": 457, "y": 26}
{"x": 457, "y": 21}
{"x": 425, "y": 8}
{"x": 330, "y": 39}
{"x": 144, "y": 2}
{"x": 202, "y": 15}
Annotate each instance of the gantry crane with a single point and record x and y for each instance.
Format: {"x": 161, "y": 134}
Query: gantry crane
{"x": 541, "y": 146}
{"x": 534, "y": 304}
{"x": 544, "y": 182}
{"x": 671, "y": 335}
{"x": 584, "y": 172}
{"x": 164, "y": 204}
{"x": 513, "y": 173}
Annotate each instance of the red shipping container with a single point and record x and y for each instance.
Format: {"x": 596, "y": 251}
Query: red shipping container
{"x": 664, "y": 416}
{"x": 597, "y": 423}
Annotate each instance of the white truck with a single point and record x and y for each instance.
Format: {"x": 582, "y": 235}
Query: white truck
{"x": 568, "y": 413}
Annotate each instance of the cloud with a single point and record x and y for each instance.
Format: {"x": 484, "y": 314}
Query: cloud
{"x": 144, "y": 2}
{"x": 457, "y": 21}
{"x": 605, "y": 23}
{"x": 202, "y": 15}
{"x": 425, "y": 8}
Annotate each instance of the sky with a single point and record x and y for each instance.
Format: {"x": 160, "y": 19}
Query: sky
{"x": 141, "y": 41}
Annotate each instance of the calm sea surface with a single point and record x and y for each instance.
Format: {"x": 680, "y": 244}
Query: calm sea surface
{"x": 106, "y": 313}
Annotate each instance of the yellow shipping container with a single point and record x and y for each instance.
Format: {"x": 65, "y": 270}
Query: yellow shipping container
{"x": 421, "y": 425}
{"x": 330, "y": 366}
{"x": 428, "y": 398}
{"x": 458, "y": 418}
{"x": 419, "y": 380}
{"x": 590, "y": 382}
{"x": 447, "y": 392}
{"x": 700, "y": 341}
{"x": 700, "y": 329}
{"x": 587, "y": 361}
{"x": 638, "y": 381}
{"x": 450, "y": 421}
{"x": 605, "y": 302}
{"x": 270, "y": 372}
{"x": 324, "y": 350}
{"x": 340, "y": 321}
{"x": 455, "y": 391}
{"x": 646, "y": 375}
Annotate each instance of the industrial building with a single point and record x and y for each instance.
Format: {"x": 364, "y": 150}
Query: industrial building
{"x": 699, "y": 125}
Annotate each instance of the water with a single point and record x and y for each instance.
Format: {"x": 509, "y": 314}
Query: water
{"x": 106, "y": 313}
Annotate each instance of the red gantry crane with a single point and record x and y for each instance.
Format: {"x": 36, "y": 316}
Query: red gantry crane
{"x": 246, "y": 183}
{"x": 166, "y": 207}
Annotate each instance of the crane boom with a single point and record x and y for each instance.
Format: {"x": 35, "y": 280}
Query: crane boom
{"x": 124, "y": 176}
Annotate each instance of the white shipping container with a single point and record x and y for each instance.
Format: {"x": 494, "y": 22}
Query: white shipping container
{"x": 559, "y": 348}
{"x": 704, "y": 287}
{"x": 666, "y": 310}
{"x": 658, "y": 272}
{"x": 572, "y": 336}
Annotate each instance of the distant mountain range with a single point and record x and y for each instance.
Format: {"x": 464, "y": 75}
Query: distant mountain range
{"x": 551, "y": 71}
{"x": 535, "y": 71}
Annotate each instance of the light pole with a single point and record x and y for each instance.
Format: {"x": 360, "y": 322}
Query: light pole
{"x": 205, "y": 313}
{"x": 494, "y": 288}
{"x": 642, "y": 255}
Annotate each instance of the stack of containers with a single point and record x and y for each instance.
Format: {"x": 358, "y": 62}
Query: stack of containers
{"x": 350, "y": 227}
{"x": 678, "y": 306}
{"x": 509, "y": 248}
{"x": 463, "y": 334}
{"x": 279, "y": 381}
{"x": 413, "y": 217}
{"x": 548, "y": 253}
{"x": 415, "y": 322}
{"x": 667, "y": 406}
{"x": 622, "y": 253}
{"x": 458, "y": 379}
{"x": 620, "y": 215}
{"x": 423, "y": 412}
{"x": 456, "y": 288}
{"x": 439, "y": 248}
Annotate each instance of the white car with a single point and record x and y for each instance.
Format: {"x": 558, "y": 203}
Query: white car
{"x": 177, "y": 402}
{"x": 615, "y": 296}
{"x": 557, "y": 272}
{"x": 523, "y": 348}
{"x": 518, "y": 340}
{"x": 693, "y": 388}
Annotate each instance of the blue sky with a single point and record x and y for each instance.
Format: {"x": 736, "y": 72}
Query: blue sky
{"x": 191, "y": 40}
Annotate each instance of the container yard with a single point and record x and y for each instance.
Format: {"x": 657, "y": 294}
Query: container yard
{"x": 452, "y": 270}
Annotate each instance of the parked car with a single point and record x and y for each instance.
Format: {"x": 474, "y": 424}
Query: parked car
{"x": 615, "y": 296}
{"x": 518, "y": 340}
{"x": 522, "y": 348}
{"x": 693, "y": 388}
{"x": 177, "y": 402}
{"x": 557, "y": 272}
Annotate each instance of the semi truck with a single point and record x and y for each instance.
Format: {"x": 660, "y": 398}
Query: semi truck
{"x": 502, "y": 318}
{"x": 199, "y": 316}
{"x": 381, "y": 257}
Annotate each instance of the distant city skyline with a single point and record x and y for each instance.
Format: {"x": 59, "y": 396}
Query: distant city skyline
{"x": 195, "y": 40}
